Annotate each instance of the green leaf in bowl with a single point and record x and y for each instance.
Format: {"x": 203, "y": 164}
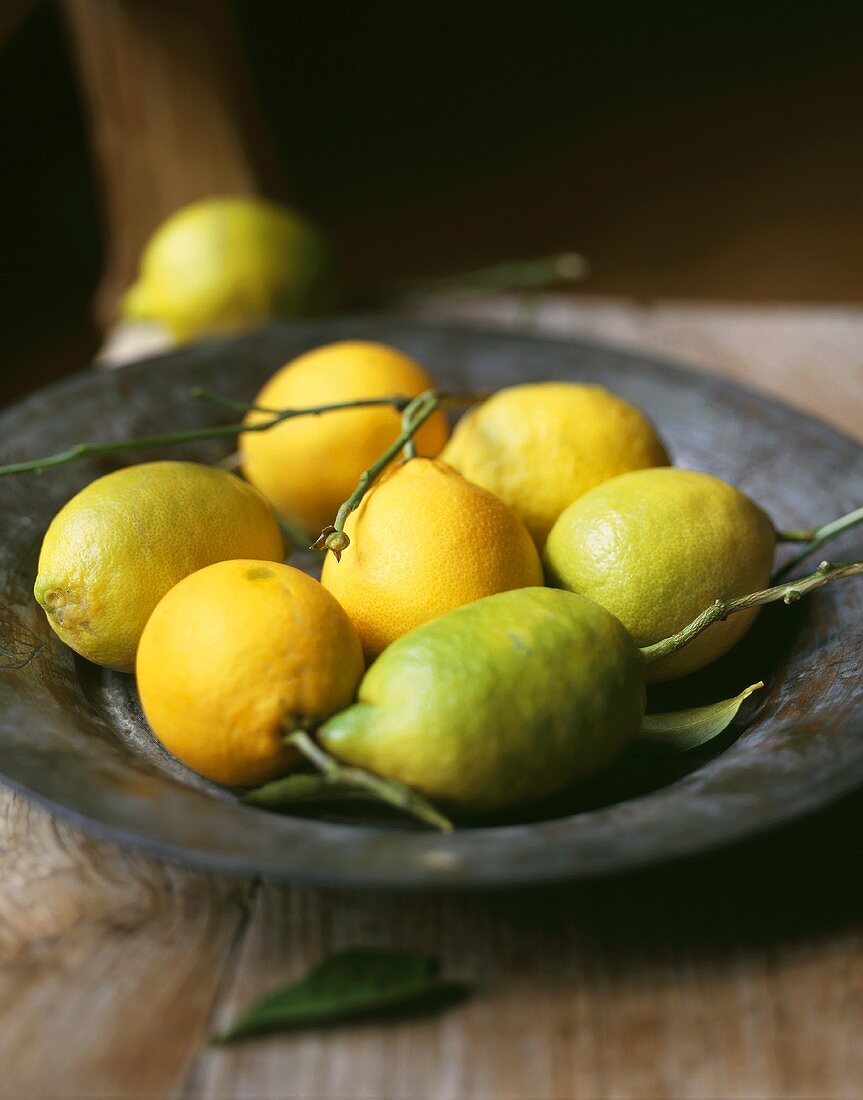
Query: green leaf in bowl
{"x": 303, "y": 787}
{"x": 682, "y": 730}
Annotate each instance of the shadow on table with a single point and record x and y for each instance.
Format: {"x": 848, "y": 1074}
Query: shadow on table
{"x": 801, "y": 880}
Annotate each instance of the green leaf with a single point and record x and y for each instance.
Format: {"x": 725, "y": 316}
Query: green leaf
{"x": 346, "y": 986}
{"x": 339, "y": 781}
{"x": 683, "y": 730}
{"x": 302, "y": 787}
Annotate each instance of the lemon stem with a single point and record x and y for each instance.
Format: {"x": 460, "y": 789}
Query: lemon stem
{"x": 515, "y": 275}
{"x": 409, "y": 450}
{"x": 397, "y": 401}
{"x": 382, "y": 790}
{"x": 80, "y": 451}
{"x": 788, "y": 593}
{"x": 415, "y": 414}
{"x": 815, "y": 538}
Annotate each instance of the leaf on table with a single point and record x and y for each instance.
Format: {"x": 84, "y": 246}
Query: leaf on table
{"x": 683, "y": 730}
{"x": 348, "y": 985}
{"x": 301, "y": 787}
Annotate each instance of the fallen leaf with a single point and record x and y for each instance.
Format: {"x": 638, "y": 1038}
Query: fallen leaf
{"x": 348, "y": 985}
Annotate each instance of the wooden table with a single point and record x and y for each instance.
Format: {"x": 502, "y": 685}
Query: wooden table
{"x": 739, "y": 975}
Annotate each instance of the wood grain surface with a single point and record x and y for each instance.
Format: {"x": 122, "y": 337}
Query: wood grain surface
{"x": 739, "y": 975}
{"x": 172, "y": 118}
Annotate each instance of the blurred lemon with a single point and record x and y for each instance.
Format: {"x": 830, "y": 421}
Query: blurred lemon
{"x": 308, "y": 466}
{"x": 224, "y": 265}
{"x": 116, "y": 548}
{"x": 238, "y": 655}
{"x": 541, "y": 446}
{"x": 424, "y": 541}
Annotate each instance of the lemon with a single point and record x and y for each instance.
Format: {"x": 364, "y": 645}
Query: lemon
{"x": 309, "y": 466}
{"x": 228, "y": 264}
{"x": 501, "y": 702}
{"x": 541, "y": 446}
{"x": 656, "y": 547}
{"x": 238, "y": 655}
{"x": 424, "y": 541}
{"x": 115, "y": 549}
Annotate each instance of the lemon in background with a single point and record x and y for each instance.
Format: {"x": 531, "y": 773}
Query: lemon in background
{"x": 228, "y": 264}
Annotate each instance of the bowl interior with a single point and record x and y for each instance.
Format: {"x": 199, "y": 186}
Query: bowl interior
{"x": 74, "y": 736}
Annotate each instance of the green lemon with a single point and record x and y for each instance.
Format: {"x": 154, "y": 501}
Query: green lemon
{"x": 499, "y": 702}
{"x": 114, "y": 550}
{"x": 656, "y": 547}
{"x": 224, "y": 265}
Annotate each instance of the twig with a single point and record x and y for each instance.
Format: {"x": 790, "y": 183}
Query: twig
{"x": 395, "y": 400}
{"x": 815, "y": 538}
{"x": 333, "y": 537}
{"x": 80, "y": 451}
{"x": 517, "y": 275}
{"x": 383, "y": 790}
{"x": 719, "y": 611}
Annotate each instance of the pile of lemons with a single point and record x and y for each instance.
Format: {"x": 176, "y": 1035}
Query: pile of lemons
{"x": 479, "y": 638}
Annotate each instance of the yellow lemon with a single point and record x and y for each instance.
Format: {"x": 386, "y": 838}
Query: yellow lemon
{"x": 424, "y": 541}
{"x": 238, "y": 655}
{"x": 541, "y": 446}
{"x": 310, "y": 465}
{"x": 228, "y": 264}
{"x": 657, "y": 547}
{"x": 115, "y": 549}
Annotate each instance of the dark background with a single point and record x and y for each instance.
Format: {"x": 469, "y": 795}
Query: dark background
{"x": 687, "y": 149}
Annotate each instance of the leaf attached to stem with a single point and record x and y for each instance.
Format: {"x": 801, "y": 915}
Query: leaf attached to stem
{"x": 682, "y": 730}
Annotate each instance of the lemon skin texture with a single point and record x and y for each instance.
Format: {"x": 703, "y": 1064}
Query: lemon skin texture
{"x": 237, "y": 655}
{"x": 501, "y": 702}
{"x": 541, "y": 446}
{"x": 424, "y": 541}
{"x": 113, "y": 551}
{"x": 658, "y": 547}
{"x": 310, "y": 465}
{"x": 228, "y": 264}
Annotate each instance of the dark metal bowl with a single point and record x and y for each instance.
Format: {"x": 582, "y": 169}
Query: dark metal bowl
{"x": 72, "y": 735}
